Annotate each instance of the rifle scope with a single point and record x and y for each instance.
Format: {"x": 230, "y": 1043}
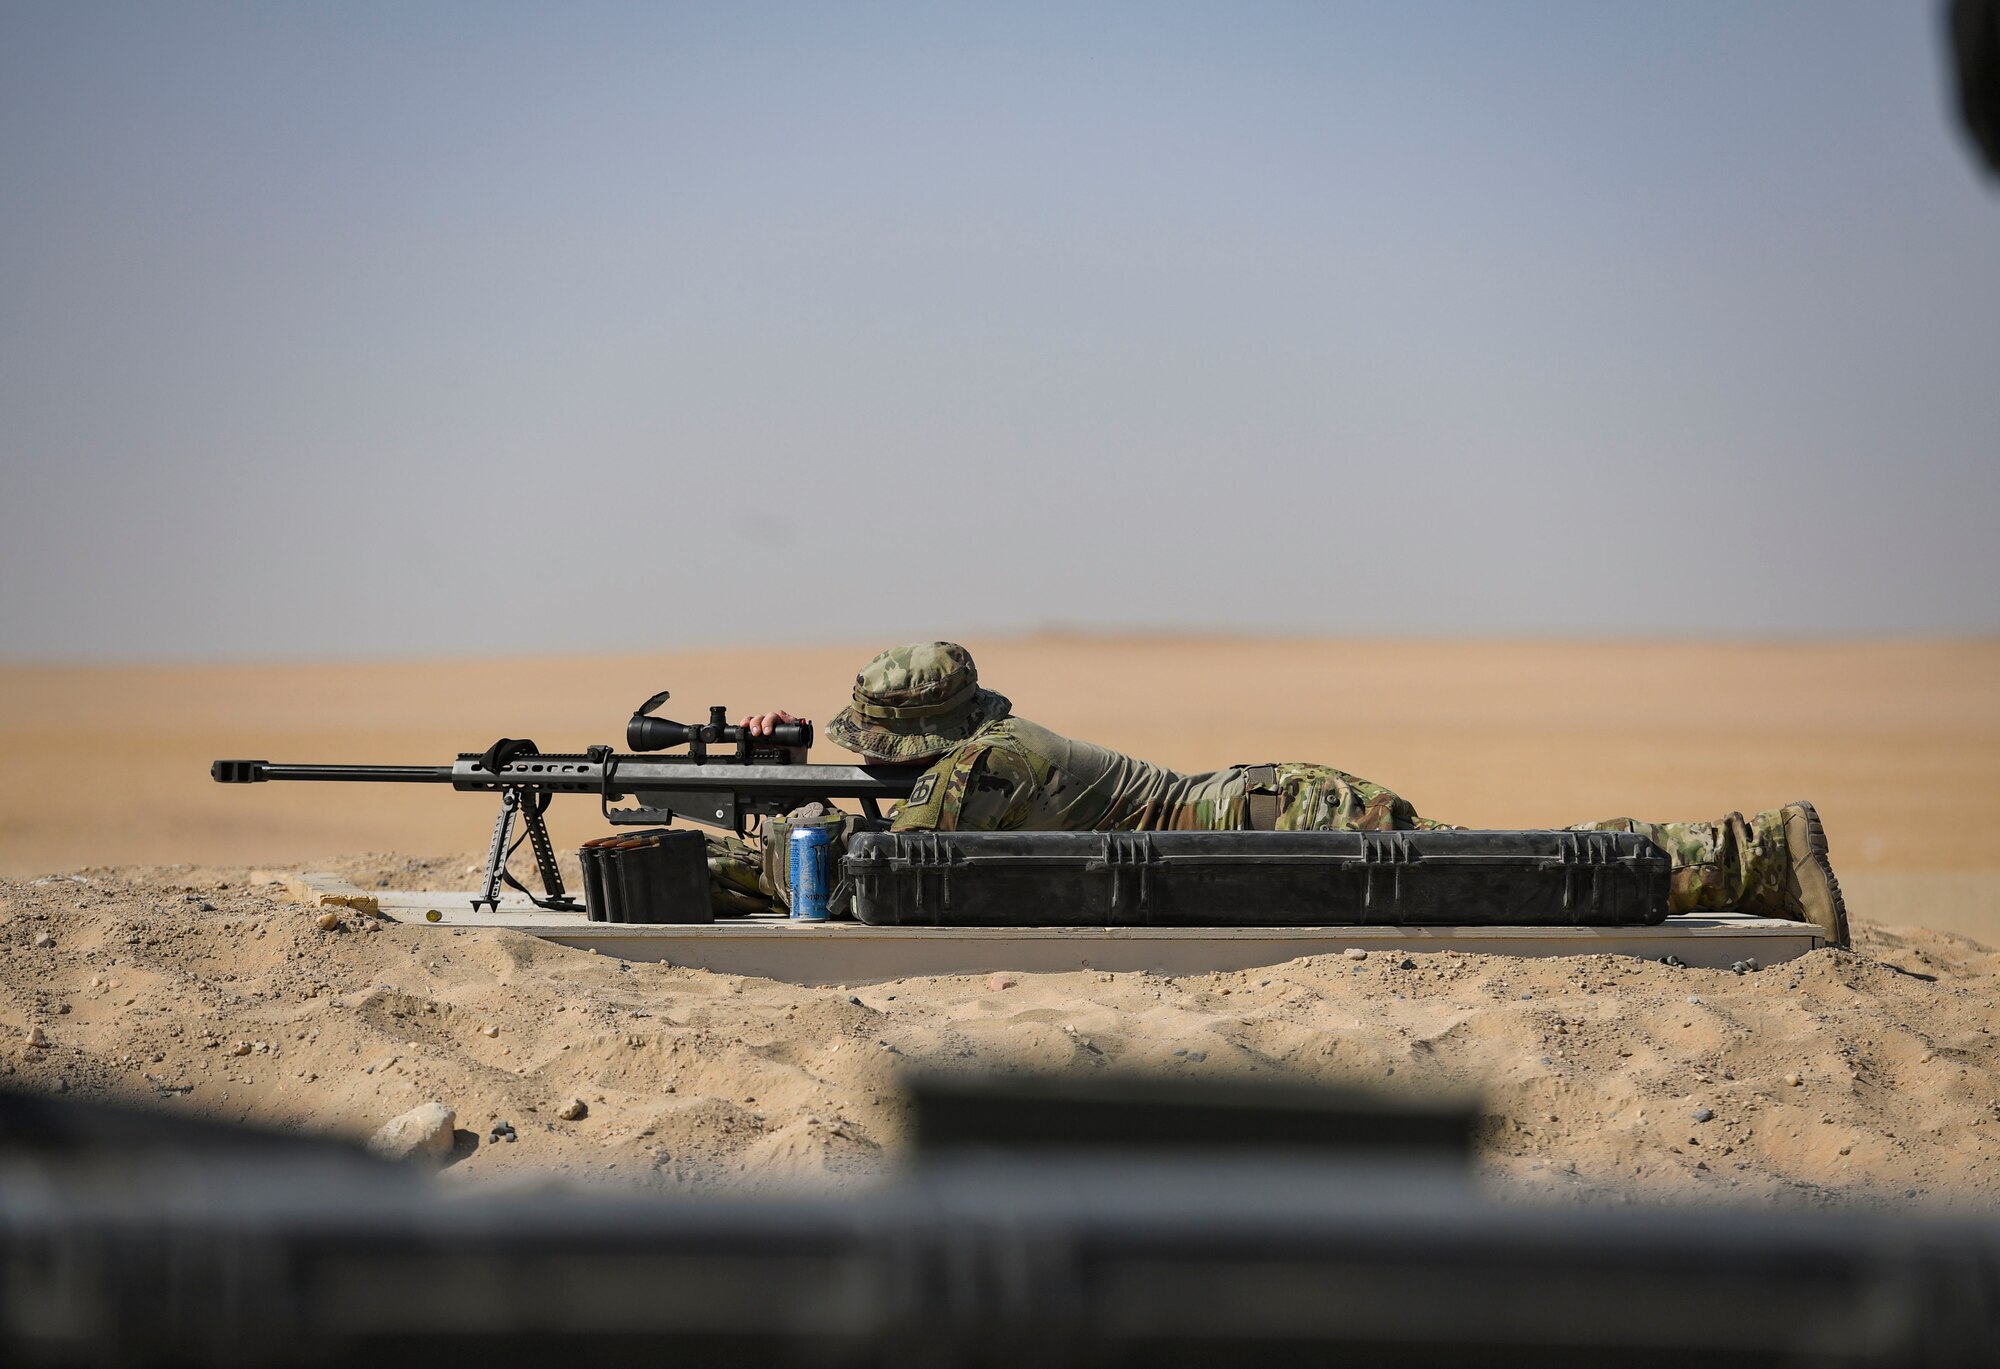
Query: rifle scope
{"x": 647, "y": 733}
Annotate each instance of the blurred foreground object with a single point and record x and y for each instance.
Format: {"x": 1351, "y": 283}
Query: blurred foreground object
{"x": 1039, "y": 1223}
{"x": 1975, "y": 46}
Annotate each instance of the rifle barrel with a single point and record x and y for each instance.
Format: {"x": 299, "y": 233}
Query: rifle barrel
{"x": 256, "y": 772}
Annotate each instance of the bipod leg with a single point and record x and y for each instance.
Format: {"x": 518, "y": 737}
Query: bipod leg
{"x": 558, "y": 899}
{"x": 496, "y": 853}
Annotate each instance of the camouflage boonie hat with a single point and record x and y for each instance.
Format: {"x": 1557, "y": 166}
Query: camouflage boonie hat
{"x": 915, "y": 702}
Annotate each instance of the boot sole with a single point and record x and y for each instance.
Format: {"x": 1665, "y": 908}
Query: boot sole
{"x": 1818, "y": 863}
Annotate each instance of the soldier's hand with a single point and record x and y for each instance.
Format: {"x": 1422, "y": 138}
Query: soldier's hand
{"x": 760, "y": 724}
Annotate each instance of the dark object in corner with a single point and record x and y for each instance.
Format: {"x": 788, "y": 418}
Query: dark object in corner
{"x": 1974, "y": 26}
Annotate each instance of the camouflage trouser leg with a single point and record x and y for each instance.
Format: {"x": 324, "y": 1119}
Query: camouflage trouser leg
{"x": 1318, "y": 798}
{"x": 735, "y": 877}
{"x": 1734, "y": 862}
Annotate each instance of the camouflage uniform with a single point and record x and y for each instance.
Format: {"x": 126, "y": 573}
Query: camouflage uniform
{"x": 1013, "y": 776}
{"x": 736, "y": 877}
{"x": 1733, "y": 862}
{"x": 991, "y": 771}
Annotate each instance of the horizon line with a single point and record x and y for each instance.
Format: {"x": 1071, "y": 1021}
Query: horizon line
{"x": 1109, "y": 636}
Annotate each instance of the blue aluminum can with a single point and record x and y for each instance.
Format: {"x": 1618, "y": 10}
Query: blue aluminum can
{"x": 812, "y": 871}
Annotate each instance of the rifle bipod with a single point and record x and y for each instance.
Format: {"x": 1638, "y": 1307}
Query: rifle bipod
{"x": 530, "y": 807}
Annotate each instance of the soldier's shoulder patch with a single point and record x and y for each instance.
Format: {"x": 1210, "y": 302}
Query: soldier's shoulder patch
{"x": 923, "y": 790}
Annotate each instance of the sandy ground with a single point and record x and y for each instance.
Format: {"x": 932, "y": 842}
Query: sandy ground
{"x": 1867, "y": 1077}
{"x": 194, "y": 986}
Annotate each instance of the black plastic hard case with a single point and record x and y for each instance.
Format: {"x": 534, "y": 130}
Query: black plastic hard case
{"x": 1256, "y": 879}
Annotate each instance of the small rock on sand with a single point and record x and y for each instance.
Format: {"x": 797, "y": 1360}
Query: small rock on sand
{"x": 37, "y": 1037}
{"x": 997, "y": 982}
{"x": 328, "y": 922}
{"x": 422, "y": 1133}
{"x": 1792, "y": 1080}
{"x": 489, "y": 1031}
{"x": 574, "y": 1109}
{"x": 44, "y": 941}
{"x": 1355, "y": 953}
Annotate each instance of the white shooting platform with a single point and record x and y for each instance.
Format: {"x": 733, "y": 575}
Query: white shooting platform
{"x": 850, "y": 953}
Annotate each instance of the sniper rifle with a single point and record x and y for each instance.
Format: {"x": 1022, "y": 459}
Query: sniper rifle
{"x": 724, "y": 778}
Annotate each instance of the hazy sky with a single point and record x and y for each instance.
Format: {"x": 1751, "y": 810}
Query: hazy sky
{"x": 357, "y": 328}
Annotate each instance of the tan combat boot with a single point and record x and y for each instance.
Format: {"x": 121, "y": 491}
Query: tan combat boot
{"x": 1811, "y": 893}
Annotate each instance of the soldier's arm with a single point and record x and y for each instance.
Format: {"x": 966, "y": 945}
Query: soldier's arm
{"x": 973, "y": 789}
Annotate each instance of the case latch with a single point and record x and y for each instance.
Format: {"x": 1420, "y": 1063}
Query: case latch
{"x": 929, "y": 858}
{"x": 1582, "y": 857}
{"x": 1127, "y": 857}
{"x": 1384, "y": 856}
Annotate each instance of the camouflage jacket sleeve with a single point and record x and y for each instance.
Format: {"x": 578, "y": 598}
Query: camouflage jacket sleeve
{"x": 976, "y": 788}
